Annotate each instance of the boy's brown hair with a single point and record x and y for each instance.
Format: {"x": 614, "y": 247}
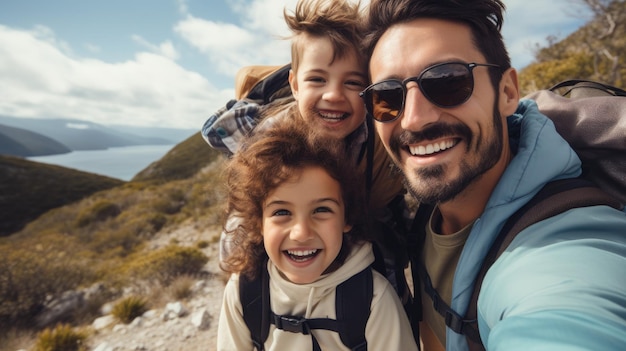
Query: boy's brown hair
{"x": 266, "y": 160}
{"x": 338, "y": 20}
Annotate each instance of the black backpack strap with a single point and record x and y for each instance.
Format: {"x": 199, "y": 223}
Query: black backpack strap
{"x": 589, "y": 86}
{"x": 554, "y": 198}
{"x": 353, "y": 302}
{"x": 267, "y": 88}
{"x": 369, "y": 165}
{"x": 415, "y": 242}
{"x": 255, "y": 301}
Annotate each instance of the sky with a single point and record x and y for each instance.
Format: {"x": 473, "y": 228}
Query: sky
{"x": 172, "y": 63}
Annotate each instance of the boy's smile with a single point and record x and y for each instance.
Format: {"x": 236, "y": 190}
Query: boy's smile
{"x": 327, "y": 89}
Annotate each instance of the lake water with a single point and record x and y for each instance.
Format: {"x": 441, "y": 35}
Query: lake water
{"x": 116, "y": 162}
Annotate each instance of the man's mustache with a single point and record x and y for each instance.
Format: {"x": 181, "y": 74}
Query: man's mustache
{"x": 432, "y": 132}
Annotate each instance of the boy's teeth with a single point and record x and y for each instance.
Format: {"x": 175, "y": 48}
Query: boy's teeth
{"x": 332, "y": 115}
{"x": 429, "y": 149}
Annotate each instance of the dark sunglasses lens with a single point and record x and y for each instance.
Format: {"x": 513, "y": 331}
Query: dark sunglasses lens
{"x": 384, "y": 100}
{"x": 447, "y": 85}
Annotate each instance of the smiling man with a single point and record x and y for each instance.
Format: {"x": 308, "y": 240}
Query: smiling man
{"x": 447, "y": 109}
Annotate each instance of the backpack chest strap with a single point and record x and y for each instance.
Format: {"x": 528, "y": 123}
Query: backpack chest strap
{"x": 296, "y": 324}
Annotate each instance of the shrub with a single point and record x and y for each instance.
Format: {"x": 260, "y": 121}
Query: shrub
{"x": 129, "y": 308}
{"x": 29, "y": 277}
{"x": 168, "y": 263}
{"x": 181, "y": 287}
{"x": 99, "y": 212}
{"x": 61, "y": 338}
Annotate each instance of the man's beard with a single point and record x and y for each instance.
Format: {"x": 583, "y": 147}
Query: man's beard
{"x": 424, "y": 183}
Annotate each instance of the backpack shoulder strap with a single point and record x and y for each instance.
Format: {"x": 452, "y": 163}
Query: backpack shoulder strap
{"x": 554, "y": 198}
{"x": 255, "y": 301}
{"x": 578, "y": 88}
{"x": 271, "y": 86}
{"x": 353, "y": 302}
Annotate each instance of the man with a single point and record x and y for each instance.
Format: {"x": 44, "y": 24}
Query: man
{"x": 446, "y": 104}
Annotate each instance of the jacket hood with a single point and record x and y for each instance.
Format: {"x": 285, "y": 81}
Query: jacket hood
{"x": 302, "y": 298}
{"x": 540, "y": 156}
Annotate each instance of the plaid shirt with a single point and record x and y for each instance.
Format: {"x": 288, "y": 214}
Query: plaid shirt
{"x": 226, "y": 129}
{"x": 229, "y": 126}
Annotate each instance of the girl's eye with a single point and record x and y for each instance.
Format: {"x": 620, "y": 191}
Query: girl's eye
{"x": 281, "y": 213}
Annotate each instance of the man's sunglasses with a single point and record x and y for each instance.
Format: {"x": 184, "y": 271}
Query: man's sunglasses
{"x": 446, "y": 84}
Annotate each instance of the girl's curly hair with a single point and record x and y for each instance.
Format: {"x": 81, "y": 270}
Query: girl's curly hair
{"x": 266, "y": 160}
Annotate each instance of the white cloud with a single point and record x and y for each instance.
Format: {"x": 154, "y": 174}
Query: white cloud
{"x": 229, "y": 46}
{"x": 40, "y": 76}
{"x": 166, "y": 48}
{"x": 148, "y": 90}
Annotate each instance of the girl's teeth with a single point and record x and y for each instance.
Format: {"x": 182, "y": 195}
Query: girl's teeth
{"x": 301, "y": 252}
{"x": 302, "y": 255}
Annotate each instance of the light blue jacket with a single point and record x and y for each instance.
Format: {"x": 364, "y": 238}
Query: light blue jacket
{"x": 561, "y": 284}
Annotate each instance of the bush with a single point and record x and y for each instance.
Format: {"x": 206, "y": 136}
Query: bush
{"x": 181, "y": 287}
{"x": 99, "y": 212}
{"x": 129, "y": 308}
{"x": 29, "y": 277}
{"x": 166, "y": 264}
{"x": 61, "y": 338}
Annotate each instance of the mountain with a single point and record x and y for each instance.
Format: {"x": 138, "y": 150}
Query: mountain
{"x": 82, "y": 135}
{"x": 24, "y": 143}
{"x": 181, "y": 162}
{"x": 28, "y": 189}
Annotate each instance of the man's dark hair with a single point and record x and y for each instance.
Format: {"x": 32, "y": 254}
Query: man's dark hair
{"x": 484, "y": 17}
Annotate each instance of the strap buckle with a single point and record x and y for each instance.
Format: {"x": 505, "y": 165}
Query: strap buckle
{"x": 293, "y": 324}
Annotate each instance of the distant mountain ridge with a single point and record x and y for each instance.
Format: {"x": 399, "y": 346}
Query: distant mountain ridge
{"x": 18, "y": 136}
{"x": 24, "y": 143}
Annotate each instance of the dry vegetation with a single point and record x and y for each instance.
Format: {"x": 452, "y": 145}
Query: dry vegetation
{"x": 101, "y": 239}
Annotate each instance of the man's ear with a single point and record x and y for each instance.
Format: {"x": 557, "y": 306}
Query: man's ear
{"x": 293, "y": 83}
{"x": 509, "y": 92}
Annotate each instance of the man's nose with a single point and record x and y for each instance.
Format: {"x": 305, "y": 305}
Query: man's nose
{"x": 418, "y": 110}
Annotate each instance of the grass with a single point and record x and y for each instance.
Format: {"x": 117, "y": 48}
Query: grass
{"x": 101, "y": 238}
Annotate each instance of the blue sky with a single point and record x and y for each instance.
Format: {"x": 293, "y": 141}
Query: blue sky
{"x": 171, "y": 63}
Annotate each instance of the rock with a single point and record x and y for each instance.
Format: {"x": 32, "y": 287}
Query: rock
{"x": 103, "y": 322}
{"x": 59, "y": 308}
{"x": 201, "y": 319}
{"x": 174, "y": 310}
{"x": 103, "y": 347}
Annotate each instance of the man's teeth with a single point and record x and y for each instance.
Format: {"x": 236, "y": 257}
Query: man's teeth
{"x": 429, "y": 149}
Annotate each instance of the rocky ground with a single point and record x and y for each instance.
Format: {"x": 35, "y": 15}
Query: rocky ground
{"x": 179, "y": 325}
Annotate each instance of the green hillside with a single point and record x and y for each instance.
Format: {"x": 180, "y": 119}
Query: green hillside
{"x": 28, "y": 189}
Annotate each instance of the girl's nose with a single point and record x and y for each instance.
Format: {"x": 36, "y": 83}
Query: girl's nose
{"x": 301, "y": 232}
